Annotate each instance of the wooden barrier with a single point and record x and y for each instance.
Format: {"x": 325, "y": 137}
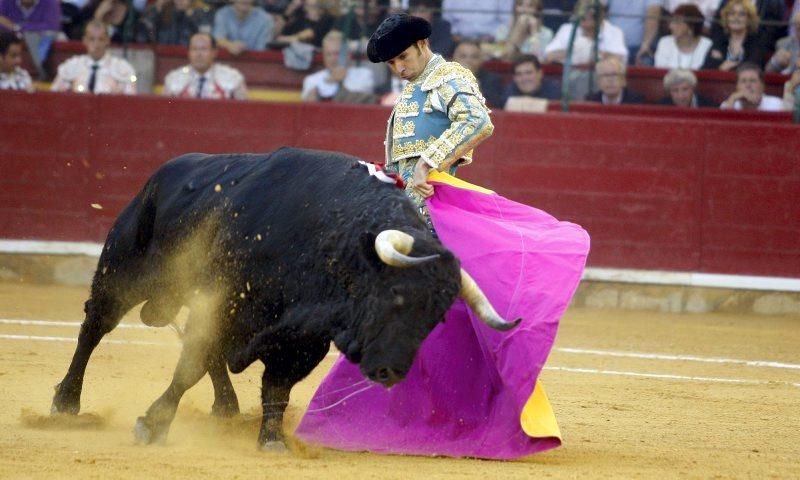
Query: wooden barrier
{"x": 684, "y": 194}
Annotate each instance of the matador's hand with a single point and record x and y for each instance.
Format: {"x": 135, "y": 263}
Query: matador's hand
{"x": 420, "y": 179}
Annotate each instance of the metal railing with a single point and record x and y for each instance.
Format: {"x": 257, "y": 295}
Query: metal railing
{"x": 596, "y": 11}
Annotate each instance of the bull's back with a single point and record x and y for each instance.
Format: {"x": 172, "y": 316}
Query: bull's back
{"x": 289, "y": 193}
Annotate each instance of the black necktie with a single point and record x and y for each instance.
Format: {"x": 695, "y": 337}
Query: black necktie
{"x": 93, "y": 77}
{"x": 200, "y": 84}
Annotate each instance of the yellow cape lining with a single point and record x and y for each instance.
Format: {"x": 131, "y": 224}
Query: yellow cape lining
{"x": 441, "y": 177}
{"x": 537, "y": 418}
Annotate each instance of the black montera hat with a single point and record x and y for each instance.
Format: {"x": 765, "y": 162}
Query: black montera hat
{"x": 395, "y": 34}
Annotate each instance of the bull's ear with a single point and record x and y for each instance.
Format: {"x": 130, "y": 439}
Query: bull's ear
{"x": 367, "y": 248}
{"x": 342, "y": 339}
{"x": 346, "y": 343}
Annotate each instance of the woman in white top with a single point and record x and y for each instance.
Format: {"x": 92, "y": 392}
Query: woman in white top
{"x": 685, "y": 48}
{"x": 526, "y": 34}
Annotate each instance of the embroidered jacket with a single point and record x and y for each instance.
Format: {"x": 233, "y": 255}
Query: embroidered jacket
{"x": 440, "y": 116}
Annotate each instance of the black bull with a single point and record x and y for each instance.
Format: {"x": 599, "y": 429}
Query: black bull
{"x": 275, "y": 256}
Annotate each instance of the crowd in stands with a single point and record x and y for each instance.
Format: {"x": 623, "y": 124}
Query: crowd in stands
{"x": 748, "y": 37}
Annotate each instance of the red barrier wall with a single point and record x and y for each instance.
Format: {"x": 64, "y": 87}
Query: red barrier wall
{"x": 654, "y": 193}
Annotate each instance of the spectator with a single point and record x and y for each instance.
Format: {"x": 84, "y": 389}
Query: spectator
{"x": 277, "y": 10}
{"x": 308, "y": 21}
{"x": 477, "y": 20}
{"x": 749, "y": 94}
{"x": 114, "y": 13}
{"x": 239, "y": 27}
{"x": 30, "y": 16}
{"x": 39, "y": 21}
{"x": 770, "y": 12}
{"x": 680, "y": 85}
{"x": 611, "y": 44}
{"x": 638, "y": 20}
{"x": 468, "y": 53}
{"x": 367, "y": 15}
{"x": 98, "y": 71}
{"x": 612, "y": 81}
{"x": 787, "y": 51}
{"x": 529, "y": 82}
{"x": 275, "y": 7}
{"x": 612, "y": 40}
{"x": 740, "y": 42}
{"x": 557, "y": 12}
{"x": 203, "y": 77}
{"x": 73, "y": 13}
{"x": 173, "y": 22}
{"x": 441, "y": 39}
{"x": 12, "y": 75}
{"x": 375, "y": 12}
{"x": 708, "y": 8}
{"x": 525, "y": 34}
{"x": 77, "y": 13}
{"x": 686, "y": 48}
{"x": 339, "y": 82}
{"x": 791, "y": 89}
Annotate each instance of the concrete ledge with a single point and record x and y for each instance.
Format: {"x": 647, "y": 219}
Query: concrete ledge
{"x": 47, "y": 269}
{"x": 597, "y": 290}
{"x": 684, "y": 299}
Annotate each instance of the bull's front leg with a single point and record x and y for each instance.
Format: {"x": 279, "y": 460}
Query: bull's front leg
{"x": 274, "y": 400}
{"x": 282, "y": 370}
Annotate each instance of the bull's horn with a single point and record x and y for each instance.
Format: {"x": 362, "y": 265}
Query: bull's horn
{"x": 477, "y": 301}
{"x": 393, "y": 247}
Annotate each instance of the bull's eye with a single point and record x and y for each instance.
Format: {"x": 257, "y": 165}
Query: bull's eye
{"x": 398, "y": 295}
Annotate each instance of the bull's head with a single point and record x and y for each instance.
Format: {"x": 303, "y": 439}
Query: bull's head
{"x": 421, "y": 288}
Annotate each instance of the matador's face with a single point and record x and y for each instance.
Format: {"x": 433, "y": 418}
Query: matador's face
{"x": 411, "y": 61}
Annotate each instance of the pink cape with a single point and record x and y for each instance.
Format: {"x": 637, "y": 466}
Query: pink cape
{"x": 465, "y": 393}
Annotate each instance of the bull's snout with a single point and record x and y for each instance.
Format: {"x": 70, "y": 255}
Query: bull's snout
{"x": 385, "y": 376}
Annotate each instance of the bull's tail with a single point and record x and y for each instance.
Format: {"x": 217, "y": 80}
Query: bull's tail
{"x": 124, "y": 277}
{"x": 146, "y": 218}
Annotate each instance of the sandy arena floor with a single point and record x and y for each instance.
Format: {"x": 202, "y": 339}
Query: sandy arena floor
{"x": 637, "y": 395}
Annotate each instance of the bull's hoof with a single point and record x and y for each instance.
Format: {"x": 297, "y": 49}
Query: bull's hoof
{"x": 147, "y": 434}
{"x": 225, "y": 409}
{"x": 64, "y": 403}
{"x": 58, "y": 408}
{"x": 273, "y": 446}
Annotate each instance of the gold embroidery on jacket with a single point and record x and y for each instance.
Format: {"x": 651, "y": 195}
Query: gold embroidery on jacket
{"x": 403, "y": 129}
